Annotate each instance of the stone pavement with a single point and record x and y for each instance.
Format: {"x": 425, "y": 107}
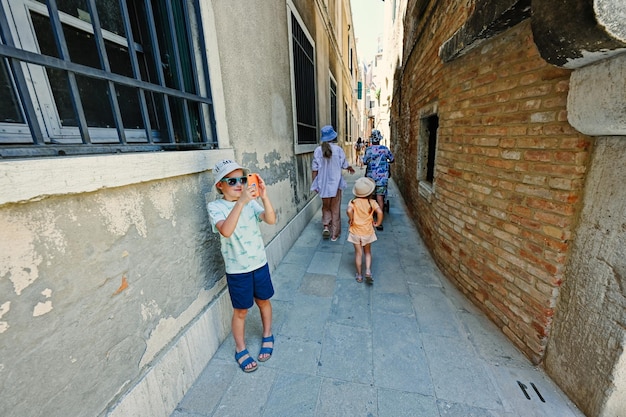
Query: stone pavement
{"x": 409, "y": 345}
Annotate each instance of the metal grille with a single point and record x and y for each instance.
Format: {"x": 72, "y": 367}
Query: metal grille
{"x": 120, "y": 76}
{"x": 333, "y": 104}
{"x": 304, "y": 74}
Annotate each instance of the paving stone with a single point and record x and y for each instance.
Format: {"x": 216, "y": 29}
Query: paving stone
{"x": 320, "y": 285}
{"x": 450, "y": 409}
{"x": 293, "y": 395}
{"x": 394, "y": 403}
{"x": 247, "y": 394}
{"x": 307, "y": 319}
{"x": 399, "y": 359}
{"x": 393, "y": 303}
{"x": 347, "y": 354}
{"x": 435, "y": 314}
{"x": 458, "y": 374}
{"x": 351, "y": 304}
{"x": 338, "y": 398}
{"x": 325, "y": 262}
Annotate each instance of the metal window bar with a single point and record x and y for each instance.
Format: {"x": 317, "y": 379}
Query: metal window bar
{"x": 132, "y": 52}
{"x": 104, "y": 61}
{"x": 20, "y": 81}
{"x": 17, "y": 56}
{"x": 64, "y": 54}
{"x": 161, "y": 77}
{"x": 177, "y": 66}
{"x": 56, "y": 63}
{"x": 210, "y": 135}
{"x": 304, "y": 84}
{"x": 333, "y": 103}
{"x": 194, "y": 67}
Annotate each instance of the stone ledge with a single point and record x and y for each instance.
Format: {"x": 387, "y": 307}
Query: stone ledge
{"x": 576, "y": 33}
{"x": 595, "y": 103}
{"x": 489, "y": 18}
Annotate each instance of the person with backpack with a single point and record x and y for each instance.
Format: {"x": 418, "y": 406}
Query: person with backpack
{"x": 377, "y": 159}
{"x": 359, "y": 146}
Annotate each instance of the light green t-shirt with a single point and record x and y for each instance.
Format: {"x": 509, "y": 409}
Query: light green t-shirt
{"x": 244, "y": 250}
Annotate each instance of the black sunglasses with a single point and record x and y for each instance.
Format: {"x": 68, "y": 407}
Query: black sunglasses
{"x": 234, "y": 180}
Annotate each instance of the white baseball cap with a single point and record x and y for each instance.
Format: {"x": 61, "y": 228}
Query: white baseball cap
{"x": 225, "y": 167}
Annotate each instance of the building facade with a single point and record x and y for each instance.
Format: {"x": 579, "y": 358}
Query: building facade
{"x": 508, "y": 126}
{"x": 112, "y": 296}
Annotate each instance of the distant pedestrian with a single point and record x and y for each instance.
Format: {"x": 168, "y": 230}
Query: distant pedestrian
{"x": 359, "y": 147}
{"x": 377, "y": 159}
{"x": 329, "y": 160}
{"x": 361, "y": 233}
{"x": 236, "y": 217}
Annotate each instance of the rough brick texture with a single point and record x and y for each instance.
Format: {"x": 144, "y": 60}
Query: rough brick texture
{"x": 509, "y": 169}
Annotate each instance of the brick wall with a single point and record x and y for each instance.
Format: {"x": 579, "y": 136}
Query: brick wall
{"x": 509, "y": 171}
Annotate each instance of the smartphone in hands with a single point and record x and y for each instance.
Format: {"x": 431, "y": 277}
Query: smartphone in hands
{"x": 253, "y": 181}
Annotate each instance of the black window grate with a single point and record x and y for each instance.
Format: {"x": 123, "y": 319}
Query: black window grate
{"x": 304, "y": 74}
{"x": 137, "y": 96}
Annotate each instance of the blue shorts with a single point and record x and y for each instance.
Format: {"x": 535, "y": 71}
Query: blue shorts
{"x": 245, "y": 287}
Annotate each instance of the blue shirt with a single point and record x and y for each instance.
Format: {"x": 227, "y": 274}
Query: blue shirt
{"x": 377, "y": 158}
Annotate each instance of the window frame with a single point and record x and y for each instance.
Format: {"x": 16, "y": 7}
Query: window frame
{"x": 43, "y": 125}
{"x": 300, "y": 148}
{"x": 21, "y": 179}
{"x": 333, "y": 101}
{"x": 427, "y": 153}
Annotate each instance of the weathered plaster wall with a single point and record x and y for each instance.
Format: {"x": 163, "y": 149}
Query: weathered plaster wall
{"x": 94, "y": 286}
{"x": 257, "y": 86}
{"x": 112, "y": 297}
{"x": 588, "y": 337}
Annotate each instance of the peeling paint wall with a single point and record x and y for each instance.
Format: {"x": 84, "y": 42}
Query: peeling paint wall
{"x": 93, "y": 286}
{"x": 107, "y": 262}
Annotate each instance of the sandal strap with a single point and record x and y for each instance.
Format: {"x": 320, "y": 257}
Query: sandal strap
{"x": 239, "y": 355}
{"x": 246, "y": 362}
{"x": 267, "y": 350}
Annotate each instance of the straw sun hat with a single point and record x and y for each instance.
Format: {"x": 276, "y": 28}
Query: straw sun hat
{"x": 363, "y": 187}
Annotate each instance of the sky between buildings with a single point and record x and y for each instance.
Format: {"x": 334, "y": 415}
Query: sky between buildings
{"x": 367, "y": 17}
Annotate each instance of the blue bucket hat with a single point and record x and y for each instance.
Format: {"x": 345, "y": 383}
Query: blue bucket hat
{"x": 328, "y": 133}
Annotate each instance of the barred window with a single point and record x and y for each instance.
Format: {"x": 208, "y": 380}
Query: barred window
{"x": 303, "y": 72}
{"x": 428, "y": 148}
{"x": 333, "y": 102}
{"x": 100, "y": 76}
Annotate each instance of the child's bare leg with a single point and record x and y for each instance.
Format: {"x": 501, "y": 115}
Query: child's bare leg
{"x": 265, "y": 307}
{"x": 239, "y": 330}
{"x": 368, "y": 258}
{"x": 358, "y": 257}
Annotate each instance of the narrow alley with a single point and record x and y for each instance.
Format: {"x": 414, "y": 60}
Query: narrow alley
{"x": 410, "y": 345}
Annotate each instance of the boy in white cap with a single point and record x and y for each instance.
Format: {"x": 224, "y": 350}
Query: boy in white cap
{"x": 236, "y": 217}
{"x": 361, "y": 232}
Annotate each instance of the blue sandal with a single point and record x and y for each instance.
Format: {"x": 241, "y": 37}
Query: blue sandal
{"x": 246, "y": 362}
{"x": 266, "y": 350}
